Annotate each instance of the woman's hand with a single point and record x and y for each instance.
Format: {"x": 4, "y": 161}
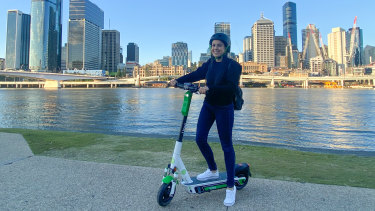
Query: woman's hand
{"x": 203, "y": 90}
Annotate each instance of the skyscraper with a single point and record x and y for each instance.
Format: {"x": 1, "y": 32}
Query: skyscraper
{"x": 357, "y": 58}
{"x": 263, "y": 34}
{"x": 180, "y": 54}
{"x": 64, "y": 56}
{"x": 369, "y": 54}
{"x": 280, "y": 51}
{"x": 190, "y": 58}
{"x": 45, "y": 35}
{"x": 86, "y": 21}
{"x": 132, "y": 53}
{"x": 110, "y": 50}
{"x": 248, "y": 48}
{"x": 222, "y": 27}
{"x": 290, "y": 22}
{"x": 2, "y": 63}
{"x": 337, "y": 45}
{"x": 280, "y": 45}
{"x": 121, "y": 55}
{"x": 18, "y": 40}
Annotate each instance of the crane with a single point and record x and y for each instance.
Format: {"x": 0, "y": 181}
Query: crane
{"x": 317, "y": 48}
{"x": 311, "y": 33}
{"x": 352, "y": 40}
{"x": 325, "y": 56}
{"x": 304, "y": 50}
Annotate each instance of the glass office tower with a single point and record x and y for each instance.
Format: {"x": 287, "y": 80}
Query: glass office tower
{"x": 110, "y": 50}
{"x": 180, "y": 54}
{"x": 222, "y": 27}
{"x": 86, "y": 21}
{"x": 45, "y": 35}
{"x": 18, "y": 40}
{"x": 132, "y": 53}
{"x": 290, "y": 22}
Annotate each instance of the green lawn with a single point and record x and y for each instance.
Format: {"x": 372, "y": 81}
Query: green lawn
{"x": 265, "y": 162}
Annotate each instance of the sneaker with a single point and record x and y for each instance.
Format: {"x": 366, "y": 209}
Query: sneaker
{"x": 230, "y": 197}
{"x": 208, "y": 175}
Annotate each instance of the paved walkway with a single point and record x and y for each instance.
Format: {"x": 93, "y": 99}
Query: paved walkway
{"x": 29, "y": 182}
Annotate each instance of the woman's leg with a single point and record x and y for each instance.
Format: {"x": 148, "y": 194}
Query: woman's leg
{"x": 205, "y": 121}
{"x": 224, "y": 122}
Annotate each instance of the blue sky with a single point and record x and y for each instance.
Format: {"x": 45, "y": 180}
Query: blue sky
{"x": 155, "y": 25}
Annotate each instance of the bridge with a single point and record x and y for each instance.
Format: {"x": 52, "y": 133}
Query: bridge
{"x": 306, "y": 80}
{"x": 57, "y": 80}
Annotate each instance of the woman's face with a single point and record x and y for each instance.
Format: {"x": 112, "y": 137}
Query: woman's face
{"x": 217, "y": 48}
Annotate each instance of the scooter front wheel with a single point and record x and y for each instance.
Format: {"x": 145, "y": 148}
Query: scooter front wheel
{"x": 164, "y": 195}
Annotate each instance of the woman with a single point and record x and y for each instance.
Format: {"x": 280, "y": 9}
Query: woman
{"x": 222, "y": 75}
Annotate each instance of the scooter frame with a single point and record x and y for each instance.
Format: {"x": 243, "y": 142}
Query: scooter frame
{"x": 176, "y": 171}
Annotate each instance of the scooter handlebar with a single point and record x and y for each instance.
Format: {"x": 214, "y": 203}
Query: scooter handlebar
{"x": 188, "y": 86}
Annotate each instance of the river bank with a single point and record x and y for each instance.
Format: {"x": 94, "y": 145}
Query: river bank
{"x": 265, "y": 162}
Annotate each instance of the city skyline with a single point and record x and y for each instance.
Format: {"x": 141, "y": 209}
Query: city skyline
{"x": 155, "y": 27}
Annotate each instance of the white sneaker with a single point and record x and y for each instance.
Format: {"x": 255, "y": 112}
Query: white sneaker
{"x": 230, "y": 197}
{"x": 208, "y": 175}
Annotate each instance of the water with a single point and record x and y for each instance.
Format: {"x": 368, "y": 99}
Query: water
{"x": 311, "y": 118}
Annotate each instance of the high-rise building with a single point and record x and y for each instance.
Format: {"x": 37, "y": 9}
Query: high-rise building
{"x": 2, "y": 63}
{"x": 369, "y": 54}
{"x": 110, "y": 50}
{"x": 290, "y": 22}
{"x": 18, "y": 40}
{"x": 248, "y": 49}
{"x": 64, "y": 56}
{"x": 310, "y": 44}
{"x": 86, "y": 21}
{"x": 337, "y": 45}
{"x": 357, "y": 58}
{"x": 180, "y": 54}
{"x": 263, "y": 34}
{"x": 132, "y": 53}
{"x": 222, "y": 27}
{"x": 280, "y": 51}
{"x": 190, "y": 58}
{"x": 330, "y": 67}
{"x": 165, "y": 61}
{"x": 121, "y": 55}
{"x": 45, "y": 36}
{"x": 280, "y": 45}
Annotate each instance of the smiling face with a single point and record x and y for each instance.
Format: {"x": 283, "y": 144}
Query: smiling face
{"x": 217, "y": 48}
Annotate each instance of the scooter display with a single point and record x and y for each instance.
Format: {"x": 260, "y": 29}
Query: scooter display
{"x": 176, "y": 172}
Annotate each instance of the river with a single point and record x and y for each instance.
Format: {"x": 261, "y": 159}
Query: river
{"x": 340, "y": 119}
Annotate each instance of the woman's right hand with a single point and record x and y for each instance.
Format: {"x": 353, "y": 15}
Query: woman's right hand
{"x": 173, "y": 82}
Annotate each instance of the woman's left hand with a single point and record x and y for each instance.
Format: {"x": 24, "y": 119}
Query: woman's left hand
{"x": 203, "y": 90}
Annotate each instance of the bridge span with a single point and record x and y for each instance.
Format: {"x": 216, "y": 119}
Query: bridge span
{"x": 57, "y": 80}
{"x": 370, "y": 79}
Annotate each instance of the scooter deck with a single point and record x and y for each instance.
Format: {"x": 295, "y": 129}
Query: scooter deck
{"x": 205, "y": 186}
{"x": 222, "y": 178}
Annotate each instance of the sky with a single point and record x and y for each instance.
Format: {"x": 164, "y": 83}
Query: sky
{"x": 155, "y": 24}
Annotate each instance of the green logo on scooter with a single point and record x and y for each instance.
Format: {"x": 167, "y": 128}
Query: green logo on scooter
{"x": 186, "y": 104}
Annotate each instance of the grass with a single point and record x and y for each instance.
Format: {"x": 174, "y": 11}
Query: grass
{"x": 265, "y": 162}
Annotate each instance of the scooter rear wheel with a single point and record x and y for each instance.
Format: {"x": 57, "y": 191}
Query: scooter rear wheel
{"x": 164, "y": 197}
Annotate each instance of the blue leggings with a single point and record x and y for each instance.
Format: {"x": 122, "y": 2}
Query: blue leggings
{"x": 224, "y": 116}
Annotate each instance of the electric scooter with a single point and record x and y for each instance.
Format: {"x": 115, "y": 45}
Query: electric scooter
{"x": 176, "y": 172}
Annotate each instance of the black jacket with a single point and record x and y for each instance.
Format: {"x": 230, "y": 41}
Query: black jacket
{"x": 221, "y": 79}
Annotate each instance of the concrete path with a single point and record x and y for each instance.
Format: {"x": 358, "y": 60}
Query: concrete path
{"x": 30, "y": 182}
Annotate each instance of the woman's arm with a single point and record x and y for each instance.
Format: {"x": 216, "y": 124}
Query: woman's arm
{"x": 197, "y": 75}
